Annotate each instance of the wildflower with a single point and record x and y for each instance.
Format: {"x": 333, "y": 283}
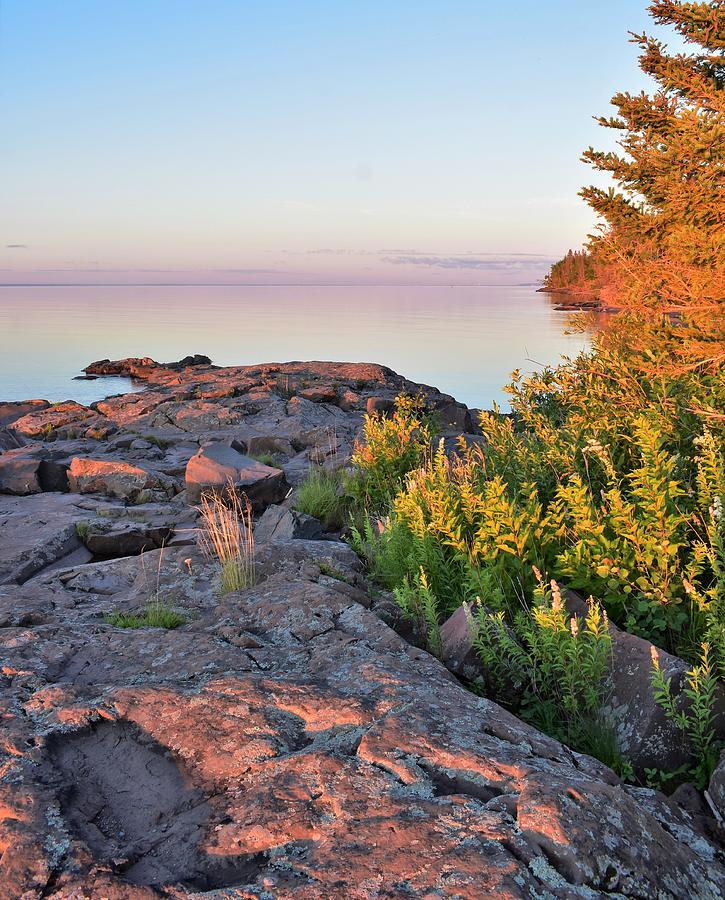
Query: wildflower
{"x": 716, "y": 509}
{"x": 556, "y": 601}
{"x": 574, "y": 626}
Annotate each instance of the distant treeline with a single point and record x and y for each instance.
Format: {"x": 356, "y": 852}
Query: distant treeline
{"x": 576, "y": 272}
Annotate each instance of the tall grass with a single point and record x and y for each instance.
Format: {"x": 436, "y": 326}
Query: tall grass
{"x": 226, "y": 535}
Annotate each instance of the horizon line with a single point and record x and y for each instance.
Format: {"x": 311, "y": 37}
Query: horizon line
{"x": 13, "y": 284}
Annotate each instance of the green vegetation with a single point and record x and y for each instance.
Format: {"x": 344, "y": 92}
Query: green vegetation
{"x": 156, "y": 615}
{"x": 695, "y": 720}
{"x": 609, "y": 475}
{"x": 267, "y": 459}
{"x": 321, "y": 495}
{"x": 331, "y": 572}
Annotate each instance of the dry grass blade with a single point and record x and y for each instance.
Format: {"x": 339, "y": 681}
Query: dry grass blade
{"x": 226, "y": 535}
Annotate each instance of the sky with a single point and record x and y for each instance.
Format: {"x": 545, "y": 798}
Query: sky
{"x": 206, "y": 141}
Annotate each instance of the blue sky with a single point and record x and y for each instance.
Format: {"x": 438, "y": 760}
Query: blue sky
{"x": 164, "y": 140}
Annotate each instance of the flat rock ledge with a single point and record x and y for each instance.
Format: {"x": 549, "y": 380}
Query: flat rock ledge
{"x": 284, "y": 741}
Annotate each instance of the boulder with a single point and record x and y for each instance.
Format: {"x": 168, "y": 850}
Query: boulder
{"x": 9, "y": 441}
{"x": 124, "y": 540}
{"x": 217, "y": 468}
{"x": 380, "y": 405}
{"x": 458, "y": 634}
{"x": 716, "y": 790}
{"x": 62, "y": 420}
{"x": 53, "y": 475}
{"x": 268, "y": 443}
{"x": 13, "y": 410}
{"x": 19, "y": 474}
{"x": 320, "y": 393}
{"x": 114, "y": 478}
{"x": 454, "y": 417}
{"x": 280, "y": 524}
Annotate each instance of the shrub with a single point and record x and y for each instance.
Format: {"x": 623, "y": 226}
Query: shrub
{"x": 556, "y": 668}
{"x": 608, "y": 476}
{"x": 393, "y": 447}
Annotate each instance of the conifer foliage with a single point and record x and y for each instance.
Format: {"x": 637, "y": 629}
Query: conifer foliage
{"x": 663, "y": 235}
{"x": 576, "y": 271}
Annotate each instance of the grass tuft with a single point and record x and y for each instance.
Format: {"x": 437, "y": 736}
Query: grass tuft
{"x": 157, "y": 614}
{"x": 318, "y": 495}
{"x": 226, "y": 535}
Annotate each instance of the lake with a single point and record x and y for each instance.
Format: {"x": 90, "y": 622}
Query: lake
{"x": 465, "y": 340}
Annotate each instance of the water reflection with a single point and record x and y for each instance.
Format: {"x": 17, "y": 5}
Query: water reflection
{"x": 464, "y": 339}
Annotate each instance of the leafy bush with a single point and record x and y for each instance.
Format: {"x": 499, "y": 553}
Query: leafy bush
{"x": 608, "y": 476}
{"x": 392, "y": 448}
{"x": 554, "y": 665}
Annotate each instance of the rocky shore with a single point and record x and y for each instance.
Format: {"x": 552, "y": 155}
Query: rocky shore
{"x": 284, "y": 740}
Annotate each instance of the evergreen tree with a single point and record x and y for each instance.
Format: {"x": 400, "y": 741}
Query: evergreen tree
{"x": 576, "y": 271}
{"x": 663, "y": 235}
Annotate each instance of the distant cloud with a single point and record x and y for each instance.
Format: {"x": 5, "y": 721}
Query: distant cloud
{"x": 16, "y": 246}
{"x": 482, "y": 262}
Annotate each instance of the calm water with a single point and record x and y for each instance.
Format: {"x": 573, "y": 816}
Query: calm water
{"x": 463, "y": 340}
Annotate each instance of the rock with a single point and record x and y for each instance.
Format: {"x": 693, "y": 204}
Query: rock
{"x": 475, "y": 415}
{"x": 458, "y": 634}
{"x": 454, "y": 416}
{"x": 349, "y": 400}
{"x": 286, "y": 743}
{"x": 12, "y": 410}
{"x": 35, "y": 531}
{"x": 716, "y": 790}
{"x": 141, "y": 367}
{"x": 380, "y": 405}
{"x": 281, "y": 524}
{"x": 266, "y": 443}
{"x": 217, "y": 468}
{"x": 125, "y": 540}
{"x": 53, "y": 475}
{"x": 60, "y": 421}
{"x": 9, "y": 441}
{"x": 129, "y": 367}
{"x": 113, "y": 478}
{"x": 320, "y": 393}
{"x": 19, "y": 474}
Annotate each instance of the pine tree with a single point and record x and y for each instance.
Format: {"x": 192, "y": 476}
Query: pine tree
{"x": 663, "y": 234}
